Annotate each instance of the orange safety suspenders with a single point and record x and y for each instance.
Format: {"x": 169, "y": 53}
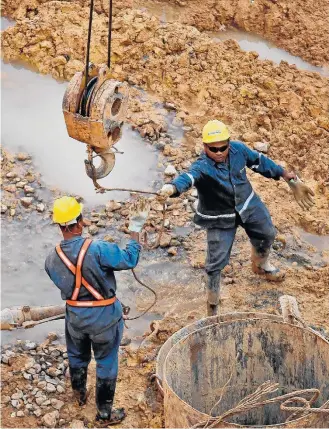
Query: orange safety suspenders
{"x": 76, "y": 270}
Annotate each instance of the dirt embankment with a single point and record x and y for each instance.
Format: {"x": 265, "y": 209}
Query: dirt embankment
{"x": 201, "y": 79}
{"x": 299, "y": 26}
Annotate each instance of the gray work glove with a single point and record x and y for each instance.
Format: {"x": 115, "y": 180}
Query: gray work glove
{"x": 167, "y": 190}
{"x": 139, "y": 212}
{"x": 302, "y": 193}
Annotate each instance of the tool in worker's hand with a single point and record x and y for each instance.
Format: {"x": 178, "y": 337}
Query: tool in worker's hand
{"x": 302, "y": 193}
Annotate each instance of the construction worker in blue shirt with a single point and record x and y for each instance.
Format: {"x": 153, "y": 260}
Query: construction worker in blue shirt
{"x": 226, "y": 200}
{"x": 83, "y": 270}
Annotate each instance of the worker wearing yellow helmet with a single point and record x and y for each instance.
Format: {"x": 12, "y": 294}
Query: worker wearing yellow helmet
{"x": 226, "y": 200}
{"x": 83, "y": 270}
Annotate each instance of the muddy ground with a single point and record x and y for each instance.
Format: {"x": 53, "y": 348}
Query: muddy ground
{"x": 185, "y": 72}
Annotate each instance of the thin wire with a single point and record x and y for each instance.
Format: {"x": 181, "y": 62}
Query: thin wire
{"x": 110, "y": 37}
{"x": 88, "y": 41}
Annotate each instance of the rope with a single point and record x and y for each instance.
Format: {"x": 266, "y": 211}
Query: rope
{"x": 109, "y": 37}
{"x": 88, "y": 41}
{"x": 254, "y": 401}
{"x": 151, "y": 290}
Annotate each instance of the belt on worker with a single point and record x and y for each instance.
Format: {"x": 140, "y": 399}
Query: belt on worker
{"x": 80, "y": 280}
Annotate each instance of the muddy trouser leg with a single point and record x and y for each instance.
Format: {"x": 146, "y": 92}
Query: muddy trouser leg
{"x": 79, "y": 354}
{"x": 220, "y": 242}
{"x": 261, "y": 233}
{"x": 106, "y": 348}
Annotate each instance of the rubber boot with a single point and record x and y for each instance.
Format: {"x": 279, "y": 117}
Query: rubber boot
{"x": 79, "y": 383}
{"x": 213, "y": 294}
{"x": 261, "y": 266}
{"x": 105, "y": 390}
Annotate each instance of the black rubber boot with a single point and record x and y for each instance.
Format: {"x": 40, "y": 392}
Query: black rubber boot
{"x": 105, "y": 390}
{"x": 79, "y": 383}
{"x": 213, "y": 293}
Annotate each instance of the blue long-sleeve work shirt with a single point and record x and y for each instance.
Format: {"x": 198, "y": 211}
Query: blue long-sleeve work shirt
{"x": 223, "y": 188}
{"x": 100, "y": 262}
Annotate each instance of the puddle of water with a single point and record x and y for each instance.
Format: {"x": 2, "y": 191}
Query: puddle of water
{"x": 265, "y": 49}
{"x": 32, "y": 121}
{"x": 6, "y": 23}
{"x": 320, "y": 242}
{"x": 167, "y": 13}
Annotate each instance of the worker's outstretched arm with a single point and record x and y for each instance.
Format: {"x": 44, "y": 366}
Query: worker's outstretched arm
{"x": 259, "y": 163}
{"x": 114, "y": 258}
{"x": 183, "y": 182}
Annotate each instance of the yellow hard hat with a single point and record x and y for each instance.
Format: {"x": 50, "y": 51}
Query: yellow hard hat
{"x": 215, "y": 131}
{"x": 66, "y": 210}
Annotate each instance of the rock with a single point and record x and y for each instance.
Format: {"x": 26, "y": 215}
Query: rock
{"x": 26, "y": 201}
{"x": 45, "y": 404}
{"x": 170, "y": 171}
{"x": 29, "y": 345}
{"x": 40, "y": 399}
{"x": 172, "y": 251}
{"x": 101, "y": 223}
{"x": 112, "y": 206}
{"x": 57, "y": 404}
{"x": 11, "y": 175}
{"x": 50, "y": 388}
{"x": 60, "y": 389}
{"x": 12, "y": 212}
{"x": 262, "y": 146}
{"x": 50, "y": 380}
{"x": 13, "y": 415}
{"x": 21, "y": 184}
{"x": 22, "y": 156}
{"x": 42, "y": 384}
{"x": 16, "y": 403}
{"x": 30, "y": 363}
{"x": 10, "y": 188}
{"x": 50, "y": 419}
{"x": 37, "y": 412}
{"x": 40, "y": 207}
{"x": 20, "y": 414}
{"x": 77, "y": 424}
{"x": 53, "y": 372}
{"x": 37, "y": 368}
{"x": 3, "y": 209}
{"x": 17, "y": 395}
{"x": 29, "y": 407}
{"x": 5, "y": 399}
{"x": 27, "y": 376}
{"x": 28, "y": 189}
{"x": 5, "y": 359}
{"x": 165, "y": 240}
{"x": 250, "y": 136}
{"x": 93, "y": 230}
{"x": 52, "y": 336}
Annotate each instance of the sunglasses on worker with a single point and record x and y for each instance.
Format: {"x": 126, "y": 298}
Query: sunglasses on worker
{"x": 218, "y": 149}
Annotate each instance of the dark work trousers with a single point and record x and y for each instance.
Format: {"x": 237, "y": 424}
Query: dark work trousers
{"x": 259, "y": 229}
{"x": 105, "y": 346}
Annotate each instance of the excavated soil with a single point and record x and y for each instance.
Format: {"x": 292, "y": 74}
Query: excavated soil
{"x": 184, "y": 70}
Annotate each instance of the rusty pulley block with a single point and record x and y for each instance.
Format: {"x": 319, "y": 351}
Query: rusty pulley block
{"x": 94, "y": 114}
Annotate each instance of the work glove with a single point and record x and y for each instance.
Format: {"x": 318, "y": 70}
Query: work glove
{"x": 139, "y": 212}
{"x": 302, "y": 193}
{"x": 167, "y": 191}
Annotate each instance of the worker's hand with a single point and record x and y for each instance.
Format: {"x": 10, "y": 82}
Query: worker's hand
{"x": 167, "y": 190}
{"x": 302, "y": 193}
{"x": 139, "y": 212}
{"x": 289, "y": 175}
